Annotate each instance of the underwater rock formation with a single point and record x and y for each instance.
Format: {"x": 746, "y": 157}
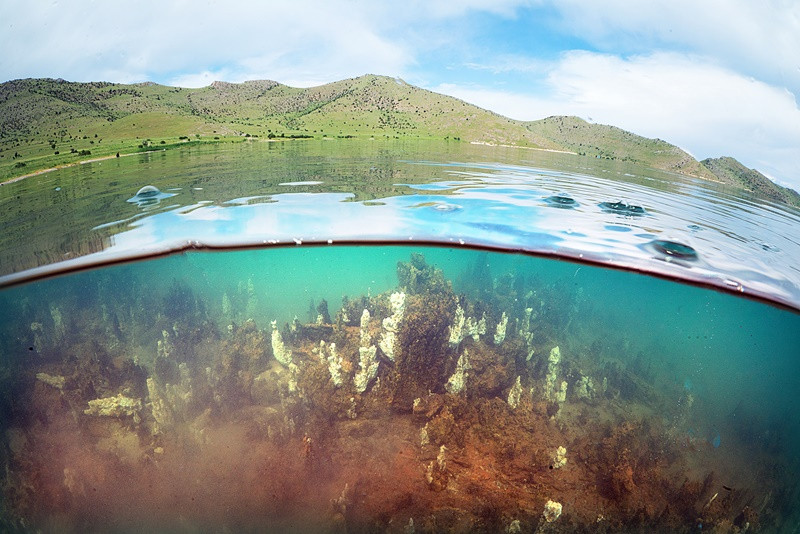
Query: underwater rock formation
{"x": 584, "y": 388}
{"x": 552, "y": 511}
{"x": 559, "y": 458}
{"x": 458, "y": 380}
{"x": 463, "y": 326}
{"x": 526, "y": 334}
{"x": 454, "y": 432}
{"x": 500, "y": 330}
{"x": 282, "y": 354}
{"x": 515, "y": 394}
{"x": 368, "y": 362}
{"x": 456, "y": 329}
{"x": 425, "y": 361}
{"x": 391, "y": 326}
{"x": 334, "y": 363}
{"x": 553, "y": 390}
{"x": 55, "y": 381}
{"x": 118, "y": 406}
{"x": 323, "y": 315}
{"x": 437, "y": 474}
{"x": 476, "y": 328}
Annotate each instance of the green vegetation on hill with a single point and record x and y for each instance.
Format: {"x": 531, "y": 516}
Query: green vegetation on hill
{"x": 46, "y": 123}
{"x": 729, "y": 171}
{"x": 610, "y": 142}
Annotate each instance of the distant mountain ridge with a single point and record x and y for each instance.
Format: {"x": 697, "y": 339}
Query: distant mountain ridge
{"x": 610, "y": 142}
{"x": 730, "y": 171}
{"x": 47, "y": 122}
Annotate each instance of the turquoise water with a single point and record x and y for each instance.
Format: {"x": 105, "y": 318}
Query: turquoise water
{"x": 654, "y": 344}
{"x": 157, "y": 394}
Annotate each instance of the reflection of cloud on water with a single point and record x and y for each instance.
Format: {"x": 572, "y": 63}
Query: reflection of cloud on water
{"x": 296, "y": 216}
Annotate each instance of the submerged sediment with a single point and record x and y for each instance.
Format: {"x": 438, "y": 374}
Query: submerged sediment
{"x": 401, "y": 413}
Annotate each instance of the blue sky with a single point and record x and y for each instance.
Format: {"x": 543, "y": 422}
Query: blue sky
{"x": 715, "y": 77}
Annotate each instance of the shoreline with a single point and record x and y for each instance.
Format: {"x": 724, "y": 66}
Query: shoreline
{"x": 486, "y": 143}
{"x": 67, "y": 165}
{"x": 82, "y": 162}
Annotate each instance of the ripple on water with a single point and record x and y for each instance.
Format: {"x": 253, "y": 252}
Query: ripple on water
{"x": 622, "y": 208}
{"x": 674, "y": 249}
{"x": 561, "y": 200}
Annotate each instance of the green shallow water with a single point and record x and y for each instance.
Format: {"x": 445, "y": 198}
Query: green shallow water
{"x": 694, "y": 391}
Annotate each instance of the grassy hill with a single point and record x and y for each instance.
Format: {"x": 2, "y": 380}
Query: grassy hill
{"x": 45, "y": 123}
{"x": 610, "y": 142}
{"x": 730, "y": 171}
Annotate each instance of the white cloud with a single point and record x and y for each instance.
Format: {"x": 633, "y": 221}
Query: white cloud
{"x": 689, "y": 101}
{"x": 299, "y": 40}
{"x": 761, "y": 38}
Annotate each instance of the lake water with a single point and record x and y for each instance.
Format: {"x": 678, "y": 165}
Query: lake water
{"x": 400, "y": 337}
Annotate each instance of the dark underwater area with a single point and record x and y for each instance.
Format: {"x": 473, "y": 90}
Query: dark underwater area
{"x": 393, "y": 389}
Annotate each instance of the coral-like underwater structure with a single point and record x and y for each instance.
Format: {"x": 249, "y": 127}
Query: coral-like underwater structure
{"x": 418, "y": 409}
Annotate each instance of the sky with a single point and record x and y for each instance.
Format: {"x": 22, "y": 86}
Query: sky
{"x": 715, "y": 77}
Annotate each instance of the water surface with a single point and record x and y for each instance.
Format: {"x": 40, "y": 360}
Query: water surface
{"x": 273, "y": 193}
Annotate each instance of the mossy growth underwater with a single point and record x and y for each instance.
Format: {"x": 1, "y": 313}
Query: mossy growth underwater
{"x": 480, "y": 392}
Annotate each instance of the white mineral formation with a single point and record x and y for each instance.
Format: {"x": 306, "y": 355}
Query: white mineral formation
{"x": 476, "y": 328}
{"x": 552, "y": 511}
{"x": 464, "y": 326}
{"x": 367, "y": 357}
{"x": 279, "y": 350}
{"x": 424, "y": 438}
{"x": 334, "y": 365}
{"x": 368, "y": 367}
{"x": 500, "y": 330}
{"x": 389, "y": 343}
{"x": 559, "y": 458}
{"x": 458, "y": 382}
{"x": 561, "y": 397}
{"x": 119, "y": 406}
{"x": 457, "y": 328}
{"x": 554, "y": 391}
{"x": 526, "y": 334}
{"x": 515, "y": 395}
{"x": 441, "y": 459}
{"x": 515, "y": 527}
{"x": 436, "y": 474}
